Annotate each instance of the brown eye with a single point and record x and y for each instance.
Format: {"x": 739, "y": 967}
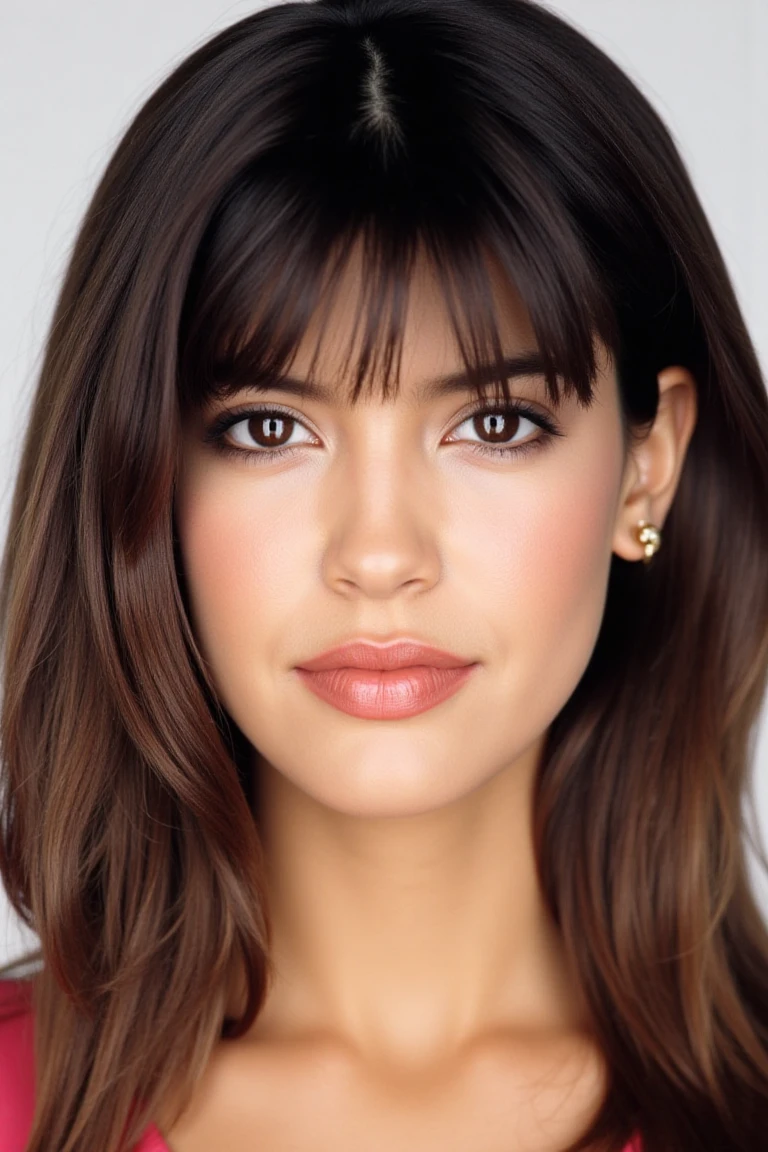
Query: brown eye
{"x": 503, "y": 431}
{"x": 271, "y": 430}
{"x": 498, "y": 427}
{"x": 266, "y": 429}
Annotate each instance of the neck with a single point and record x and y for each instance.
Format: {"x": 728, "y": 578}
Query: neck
{"x": 411, "y": 937}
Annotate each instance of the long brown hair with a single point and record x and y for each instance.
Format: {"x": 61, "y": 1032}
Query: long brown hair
{"x": 470, "y": 129}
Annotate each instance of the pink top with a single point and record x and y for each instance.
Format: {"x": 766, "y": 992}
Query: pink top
{"x": 17, "y": 1082}
{"x": 17, "y": 1072}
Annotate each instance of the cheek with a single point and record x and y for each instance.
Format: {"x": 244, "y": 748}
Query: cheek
{"x": 241, "y": 566}
{"x": 567, "y": 565}
{"x": 540, "y": 554}
{"x": 569, "y": 537}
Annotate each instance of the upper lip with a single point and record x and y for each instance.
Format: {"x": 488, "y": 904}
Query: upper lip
{"x": 377, "y": 656}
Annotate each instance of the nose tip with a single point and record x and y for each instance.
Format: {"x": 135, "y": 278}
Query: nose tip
{"x": 383, "y": 556}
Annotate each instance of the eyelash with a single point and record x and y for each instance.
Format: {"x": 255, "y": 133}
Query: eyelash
{"x": 215, "y": 433}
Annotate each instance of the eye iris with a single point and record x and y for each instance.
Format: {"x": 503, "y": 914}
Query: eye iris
{"x": 270, "y": 431}
{"x": 497, "y": 425}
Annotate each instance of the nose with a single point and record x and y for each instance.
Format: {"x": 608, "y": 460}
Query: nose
{"x": 382, "y": 538}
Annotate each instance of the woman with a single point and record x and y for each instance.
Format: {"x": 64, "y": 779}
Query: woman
{"x": 386, "y": 617}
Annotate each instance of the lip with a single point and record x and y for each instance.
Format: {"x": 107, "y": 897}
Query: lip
{"x": 374, "y": 656}
{"x": 385, "y": 681}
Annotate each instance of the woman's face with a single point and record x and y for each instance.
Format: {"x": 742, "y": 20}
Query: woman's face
{"x": 384, "y": 522}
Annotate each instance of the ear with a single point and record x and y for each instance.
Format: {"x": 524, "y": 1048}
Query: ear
{"x": 654, "y": 466}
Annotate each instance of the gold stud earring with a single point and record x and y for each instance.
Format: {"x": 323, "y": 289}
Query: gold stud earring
{"x": 650, "y": 537}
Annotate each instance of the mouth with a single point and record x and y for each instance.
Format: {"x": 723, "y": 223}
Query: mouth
{"x": 385, "y": 682}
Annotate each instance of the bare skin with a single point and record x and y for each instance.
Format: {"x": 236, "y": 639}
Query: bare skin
{"x": 422, "y": 999}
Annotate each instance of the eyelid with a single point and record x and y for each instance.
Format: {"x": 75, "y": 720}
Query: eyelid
{"x": 231, "y": 416}
{"x": 526, "y": 408}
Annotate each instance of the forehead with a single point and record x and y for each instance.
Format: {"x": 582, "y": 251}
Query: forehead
{"x": 429, "y": 349}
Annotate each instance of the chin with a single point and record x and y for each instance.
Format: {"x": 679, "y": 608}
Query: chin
{"x": 390, "y": 788}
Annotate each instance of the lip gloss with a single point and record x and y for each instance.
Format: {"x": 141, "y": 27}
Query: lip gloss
{"x": 386, "y": 695}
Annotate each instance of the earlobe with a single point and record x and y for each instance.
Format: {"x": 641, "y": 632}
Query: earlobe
{"x": 657, "y": 464}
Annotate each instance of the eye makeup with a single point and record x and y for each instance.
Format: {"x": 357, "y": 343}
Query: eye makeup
{"x": 216, "y": 432}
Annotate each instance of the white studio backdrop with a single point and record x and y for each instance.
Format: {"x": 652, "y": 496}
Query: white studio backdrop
{"x": 74, "y": 75}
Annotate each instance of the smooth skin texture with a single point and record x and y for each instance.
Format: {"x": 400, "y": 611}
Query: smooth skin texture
{"x": 422, "y": 999}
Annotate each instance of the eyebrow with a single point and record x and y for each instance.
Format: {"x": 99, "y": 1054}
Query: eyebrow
{"x": 526, "y": 364}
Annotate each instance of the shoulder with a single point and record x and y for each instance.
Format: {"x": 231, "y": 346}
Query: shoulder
{"x": 17, "y": 1065}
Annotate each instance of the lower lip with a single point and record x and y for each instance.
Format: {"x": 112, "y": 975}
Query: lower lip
{"x": 390, "y": 695}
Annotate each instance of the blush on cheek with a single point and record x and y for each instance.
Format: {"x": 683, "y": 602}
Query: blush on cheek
{"x": 214, "y": 542}
{"x": 246, "y": 555}
{"x": 557, "y": 563}
{"x": 574, "y": 557}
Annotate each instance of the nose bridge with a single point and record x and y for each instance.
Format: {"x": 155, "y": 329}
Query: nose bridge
{"x": 380, "y": 510}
